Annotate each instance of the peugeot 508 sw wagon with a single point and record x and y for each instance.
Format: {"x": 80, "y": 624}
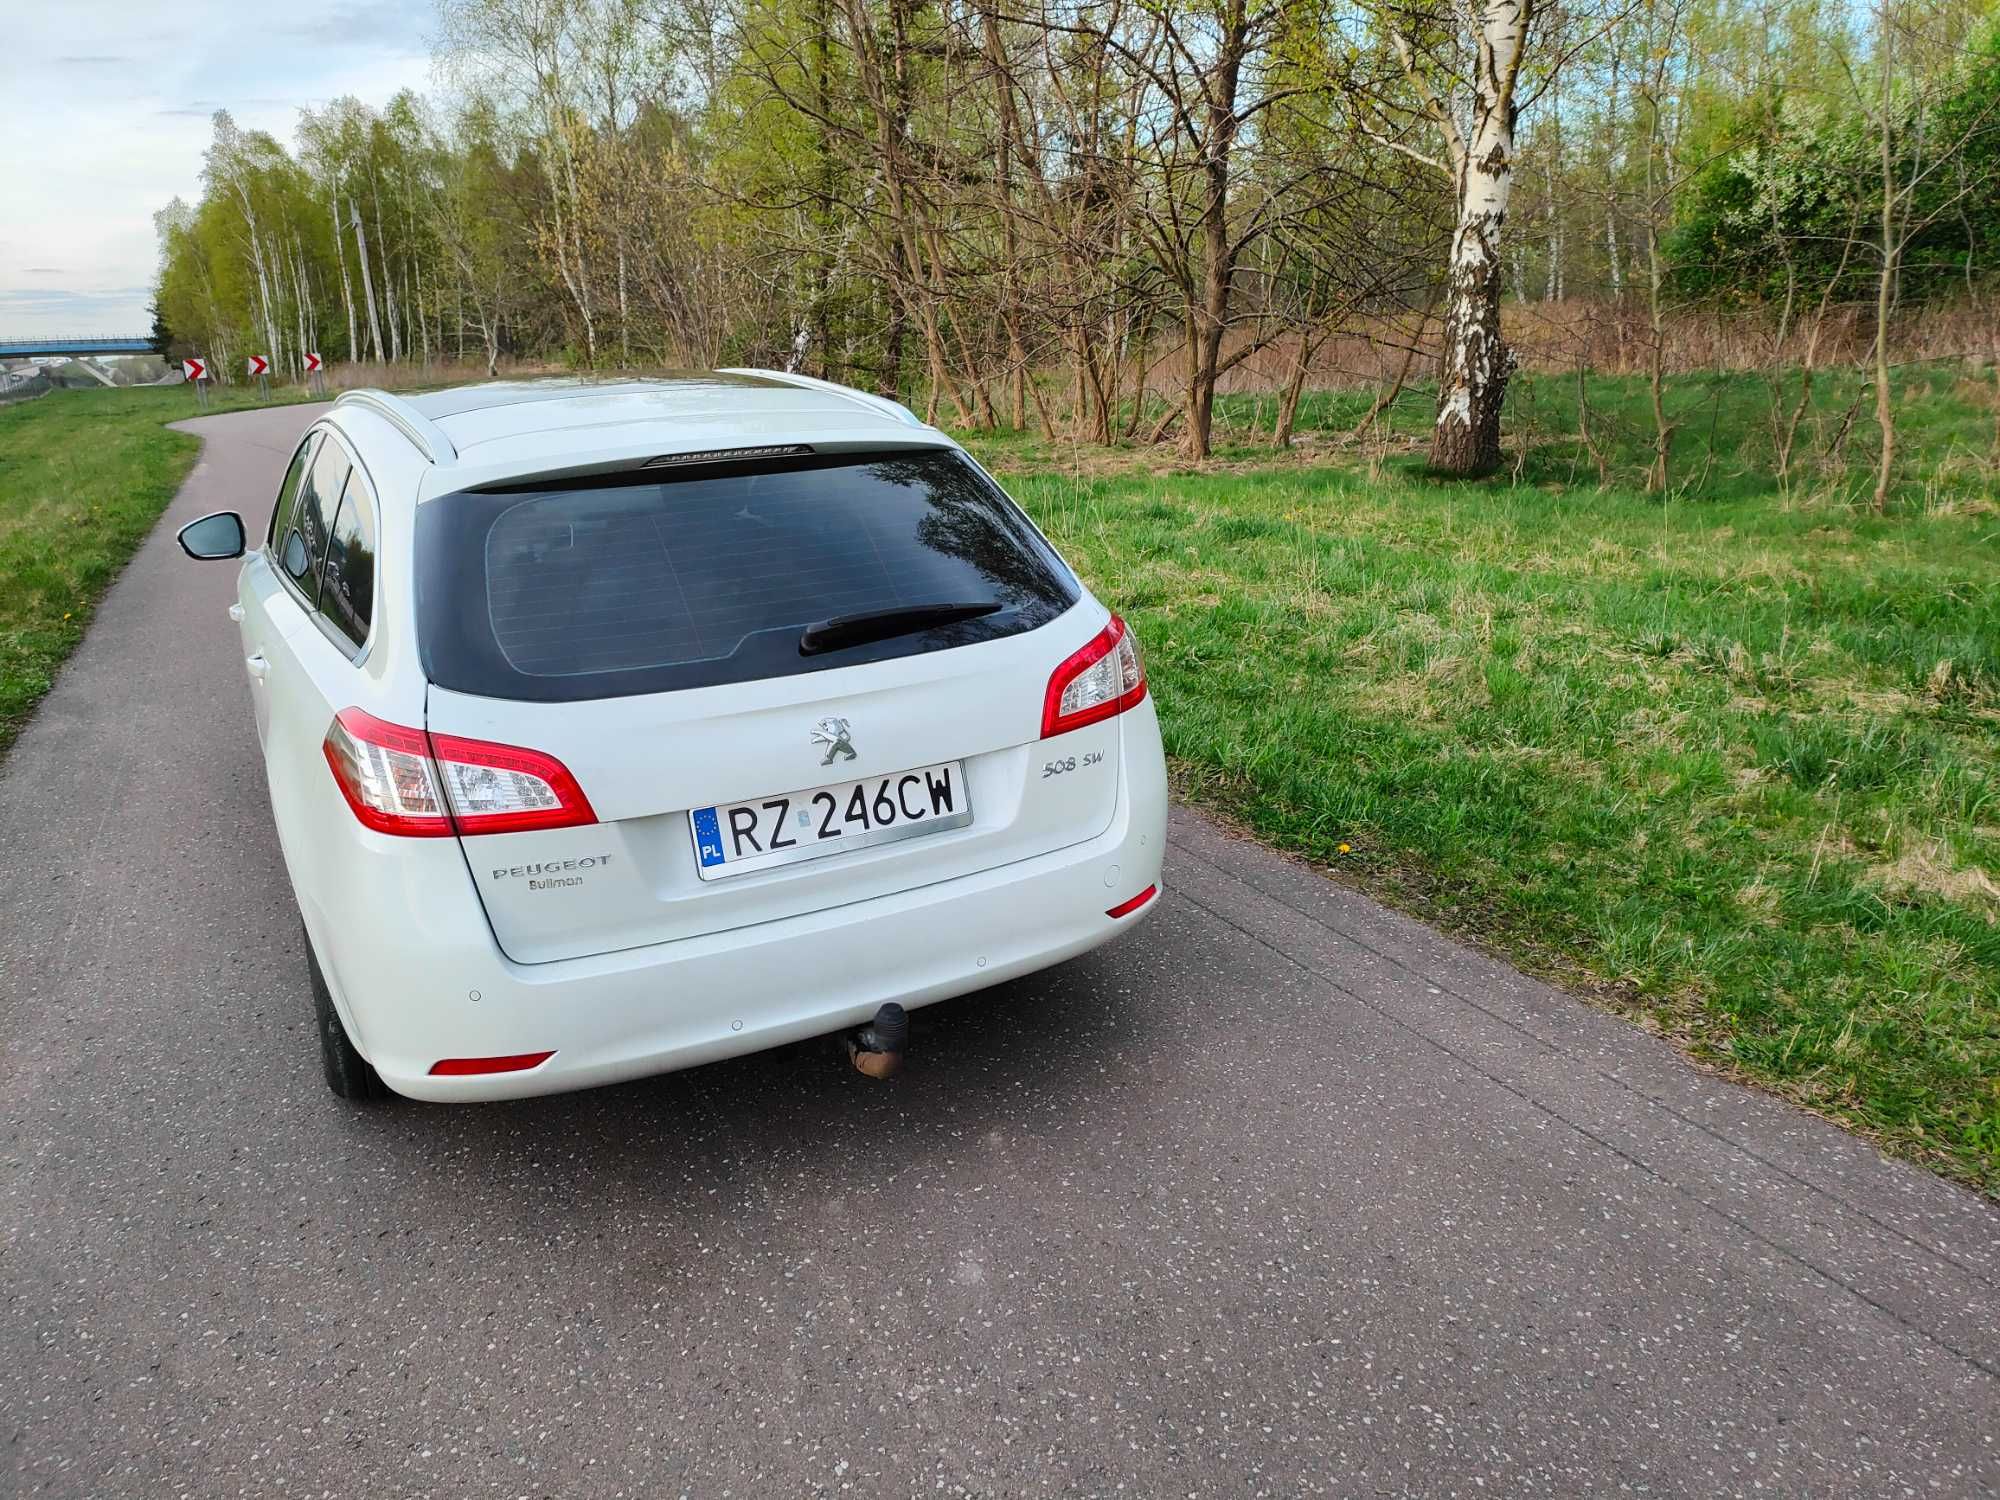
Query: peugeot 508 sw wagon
{"x": 614, "y": 728}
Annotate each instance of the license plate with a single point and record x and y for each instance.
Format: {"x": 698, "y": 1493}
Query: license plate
{"x": 740, "y": 837}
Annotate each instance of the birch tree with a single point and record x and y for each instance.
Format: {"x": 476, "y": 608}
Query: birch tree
{"x": 233, "y": 165}
{"x": 1461, "y": 70}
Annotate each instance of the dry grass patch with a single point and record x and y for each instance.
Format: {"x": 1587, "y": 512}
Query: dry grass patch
{"x": 1927, "y": 869}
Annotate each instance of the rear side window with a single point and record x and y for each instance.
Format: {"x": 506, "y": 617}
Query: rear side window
{"x": 281, "y": 513}
{"x": 347, "y": 583}
{"x": 710, "y": 575}
{"x": 304, "y": 548}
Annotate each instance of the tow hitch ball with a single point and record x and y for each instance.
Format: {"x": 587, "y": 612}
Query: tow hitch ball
{"x": 877, "y": 1048}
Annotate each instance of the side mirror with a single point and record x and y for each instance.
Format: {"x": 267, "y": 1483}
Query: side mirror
{"x": 213, "y": 538}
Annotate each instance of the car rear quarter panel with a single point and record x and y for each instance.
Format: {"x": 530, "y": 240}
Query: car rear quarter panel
{"x": 330, "y": 858}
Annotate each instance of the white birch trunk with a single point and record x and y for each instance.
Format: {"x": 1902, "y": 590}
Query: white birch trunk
{"x": 300, "y": 303}
{"x": 346, "y": 286}
{"x": 1611, "y": 187}
{"x": 420, "y": 303}
{"x": 1477, "y": 363}
{"x": 389, "y": 311}
{"x": 1552, "y": 278}
{"x": 624, "y": 312}
{"x": 270, "y": 328}
{"x": 367, "y": 279}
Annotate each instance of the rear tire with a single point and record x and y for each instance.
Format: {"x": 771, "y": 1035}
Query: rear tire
{"x": 348, "y": 1073}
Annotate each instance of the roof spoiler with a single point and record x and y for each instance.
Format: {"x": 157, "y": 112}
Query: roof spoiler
{"x": 881, "y": 404}
{"x": 425, "y": 435}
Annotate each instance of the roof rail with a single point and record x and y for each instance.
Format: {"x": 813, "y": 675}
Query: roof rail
{"x": 881, "y": 404}
{"x": 427, "y": 437}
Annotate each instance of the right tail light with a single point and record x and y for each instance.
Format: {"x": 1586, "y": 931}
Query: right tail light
{"x": 1102, "y": 680}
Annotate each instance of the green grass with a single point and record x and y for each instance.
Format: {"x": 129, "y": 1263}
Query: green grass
{"x": 83, "y": 477}
{"x": 1729, "y": 762}
{"x": 1725, "y": 758}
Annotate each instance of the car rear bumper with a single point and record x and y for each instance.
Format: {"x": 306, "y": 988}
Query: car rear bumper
{"x": 655, "y": 1009}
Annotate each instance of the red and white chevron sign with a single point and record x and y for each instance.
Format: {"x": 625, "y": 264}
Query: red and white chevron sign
{"x": 313, "y": 363}
{"x": 195, "y": 369}
{"x": 260, "y": 364}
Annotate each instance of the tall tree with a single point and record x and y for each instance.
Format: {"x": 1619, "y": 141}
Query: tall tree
{"x": 1461, "y": 69}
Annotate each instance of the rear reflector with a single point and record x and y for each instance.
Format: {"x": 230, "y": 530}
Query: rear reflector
{"x": 1126, "y": 908}
{"x": 465, "y": 1067}
{"x": 418, "y": 785}
{"x": 1102, "y": 679}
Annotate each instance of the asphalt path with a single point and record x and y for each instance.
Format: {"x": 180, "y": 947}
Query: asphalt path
{"x": 1284, "y": 1194}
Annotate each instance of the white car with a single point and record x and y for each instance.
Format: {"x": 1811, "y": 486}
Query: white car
{"x": 614, "y": 728}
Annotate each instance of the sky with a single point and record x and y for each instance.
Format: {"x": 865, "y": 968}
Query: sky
{"x": 107, "y": 115}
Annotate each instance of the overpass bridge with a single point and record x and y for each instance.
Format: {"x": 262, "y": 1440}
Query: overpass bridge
{"x": 71, "y": 348}
{"x": 80, "y": 352}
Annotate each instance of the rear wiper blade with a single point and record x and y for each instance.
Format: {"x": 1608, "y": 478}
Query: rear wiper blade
{"x": 882, "y": 624}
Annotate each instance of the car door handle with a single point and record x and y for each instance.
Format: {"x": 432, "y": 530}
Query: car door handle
{"x": 236, "y": 613}
{"x": 258, "y": 666}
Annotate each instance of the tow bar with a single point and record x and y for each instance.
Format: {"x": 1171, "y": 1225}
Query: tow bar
{"x": 877, "y": 1048}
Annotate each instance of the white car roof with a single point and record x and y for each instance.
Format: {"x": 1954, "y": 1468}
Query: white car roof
{"x": 482, "y": 433}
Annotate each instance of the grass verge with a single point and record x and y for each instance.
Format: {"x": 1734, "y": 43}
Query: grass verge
{"x": 1732, "y": 760}
{"x": 1730, "y": 754}
{"x": 84, "y": 476}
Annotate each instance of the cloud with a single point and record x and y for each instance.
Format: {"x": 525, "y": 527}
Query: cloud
{"x": 79, "y": 186}
{"x": 389, "y": 25}
{"x": 58, "y": 300}
{"x": 104, "y": 312}
{"x": 69, "y": 314}
{"x": 204, "y": 108}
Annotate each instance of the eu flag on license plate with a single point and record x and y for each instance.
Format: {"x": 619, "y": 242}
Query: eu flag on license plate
{"x": 707, "y": 837}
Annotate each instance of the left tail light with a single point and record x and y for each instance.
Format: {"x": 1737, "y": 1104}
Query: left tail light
{"x": 403, "y": 781}
{"x": 386, "y": 773}
{"x": 1103, "y": 679}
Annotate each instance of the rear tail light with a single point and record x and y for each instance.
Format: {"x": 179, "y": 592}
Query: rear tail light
{"x": 418, "y": 785}
{"x": 502, "y": 789}
{"x": 1103, "y": 679}
{"x": 386, "y": 774}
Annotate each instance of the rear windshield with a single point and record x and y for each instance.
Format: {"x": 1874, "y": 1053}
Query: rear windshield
{"x": 647, "y": 583}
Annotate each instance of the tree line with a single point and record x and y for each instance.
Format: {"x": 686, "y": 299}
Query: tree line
{"x": 1083, "y": 216}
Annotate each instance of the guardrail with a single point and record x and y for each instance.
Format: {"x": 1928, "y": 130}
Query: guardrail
{"x": 24, "y": 387}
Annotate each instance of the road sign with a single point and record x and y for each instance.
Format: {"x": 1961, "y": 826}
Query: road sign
{"x": 313, "y": 363}
{"x": 260, "y": 364}
{"x": 195, "y": 369}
